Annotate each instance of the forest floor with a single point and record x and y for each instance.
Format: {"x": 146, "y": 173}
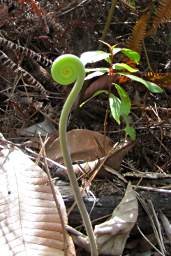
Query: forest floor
{"x": 76, "y": 27}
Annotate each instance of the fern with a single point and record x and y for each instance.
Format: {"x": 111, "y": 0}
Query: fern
{"x": 138, "y": 33}
{"x": 8, "y": 63}
{"x": 163, "y": 14}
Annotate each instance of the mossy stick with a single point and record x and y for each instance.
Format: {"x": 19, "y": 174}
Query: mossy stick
{"x": 65, "y": 70}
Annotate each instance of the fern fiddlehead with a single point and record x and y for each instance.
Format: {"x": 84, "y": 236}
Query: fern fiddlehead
{"x": 65, "y": 70}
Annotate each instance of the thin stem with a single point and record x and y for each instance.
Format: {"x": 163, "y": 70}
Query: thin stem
{"x": 108, "y": 21}
{"x": 68, "y": 162}
{"x": 146, "y": 56}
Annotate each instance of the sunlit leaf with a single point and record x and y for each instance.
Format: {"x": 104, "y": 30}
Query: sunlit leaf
{"x": 93, "y": 56}
{"x": 128, "y": 52}
{"x": 152, "y": 87}
{"x": 104, "y": 70}
{"x": 95, "y": 72}
{"x": 131, "y": 54}
{"x": 125, "y": 105}
{"x": 115, "y": 50}
{"x": 121, "y": 66}
{"x": 115, "y": 107}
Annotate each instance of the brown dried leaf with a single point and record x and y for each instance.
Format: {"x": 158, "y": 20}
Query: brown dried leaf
{"x": 112, "y": 235}
{"x": 112, "y": 160}
{"x": 83, "y": 144}
{"x": 101, "y": 83}
{"x": 29, "y": 220}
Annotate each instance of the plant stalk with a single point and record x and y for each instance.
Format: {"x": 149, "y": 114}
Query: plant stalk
{"x": 68, "y": 163}
{"x": 108, "y": 21}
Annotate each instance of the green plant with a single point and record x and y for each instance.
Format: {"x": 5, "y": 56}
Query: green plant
{"x": 65, "y": 70}
{"x": 120, "y": 105}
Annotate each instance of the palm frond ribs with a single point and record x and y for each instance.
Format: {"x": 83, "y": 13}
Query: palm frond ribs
{"x": 25, "y": 51}
{"x": 162, "y": 15}
{"x": 11, "y": 65}
{"x": 138, "y": 33}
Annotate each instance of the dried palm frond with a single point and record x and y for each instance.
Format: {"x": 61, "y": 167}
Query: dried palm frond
{"x": 25, "y": 51}
{"x": 52, "y": 21}
{"x": 162, "y": 79}
{"x": 138, "y": 33}
{"x": 163, "y": 14}
{"x": 10, "y": 64}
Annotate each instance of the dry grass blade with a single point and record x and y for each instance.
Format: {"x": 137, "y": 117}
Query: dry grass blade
{"x": 29, "y": 221}
{"x": 149, "y": 208}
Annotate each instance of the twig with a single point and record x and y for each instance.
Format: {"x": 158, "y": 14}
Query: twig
{"x": 108, "y": 21}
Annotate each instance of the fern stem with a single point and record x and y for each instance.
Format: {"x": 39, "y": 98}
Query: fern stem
{"x": 65, "y": 70}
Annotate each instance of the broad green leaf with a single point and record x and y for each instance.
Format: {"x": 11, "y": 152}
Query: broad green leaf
{"x": 125, "y": 105}
{"x": 121, "y": 66}
{"x": 131, "y": 54}
{"x": 115, "y": 106}
{"x": 128, "y": 52}
{"x": 94, "y": 95}
{"x": 130, "y": 131}
{"x": 93, "y": 56}
{"x": 152, "y": 87}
